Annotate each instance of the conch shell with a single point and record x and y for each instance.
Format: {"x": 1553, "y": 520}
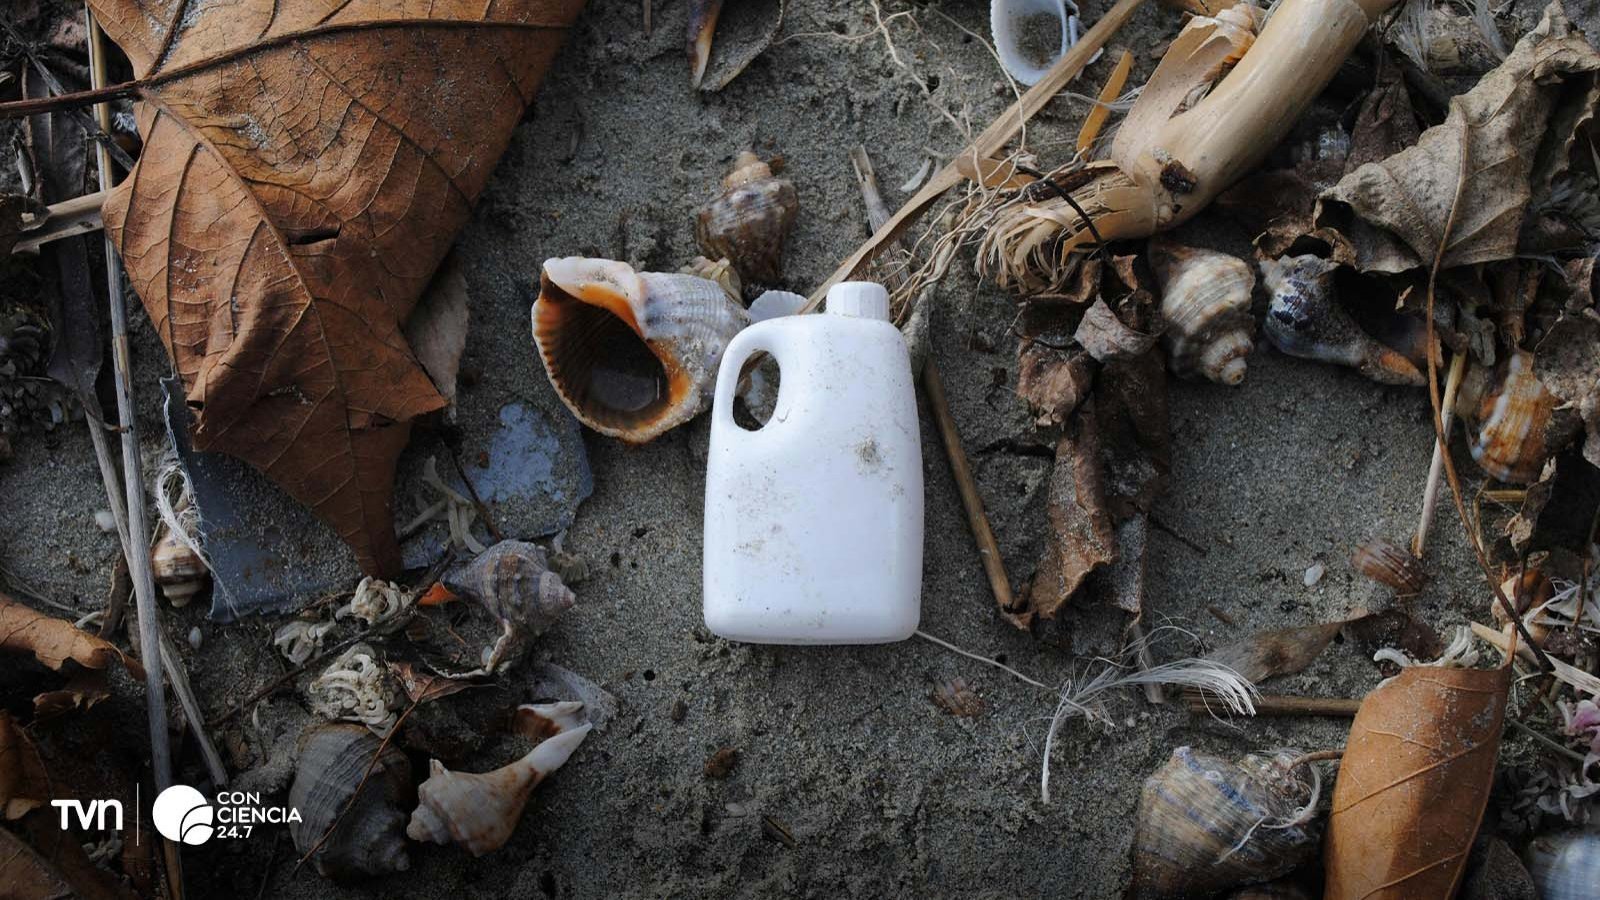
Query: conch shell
{"x": 1205, "y": 300}
{"x": 1306, "y": 320}
{"x": 632, "y": 354}
{"x": 1206, "y": 824}
{"x": 749, "y": 220}
{"x": 333, "y": 764}
{"x": 479, "y": 812}
{"x": 1513, "y": 411}
{"x": 514, "y": 582}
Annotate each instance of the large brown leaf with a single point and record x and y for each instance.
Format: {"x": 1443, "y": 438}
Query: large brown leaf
{"x": 307, "y": 165}
{"x": 1413, "y": 783}
{"x": 54, "y": 641}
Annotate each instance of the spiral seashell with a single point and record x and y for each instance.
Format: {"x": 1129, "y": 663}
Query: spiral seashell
{"x": 178, "y": 569}
{"x": 1513, "y": 411}
{"x": 1205, "y": 300}
{"x": 1390, "y": 565}
{"x": 1565, "y": 865}
{"x": 1305, "y": 319}
{"x": 1203, "y": 824}
{"x": 514, "y": 582}
{"x": 480, "y": 811}
{"x": 632, "y": 354}
{"x": 749, "y": 220}
{"x": 369, "y": 839}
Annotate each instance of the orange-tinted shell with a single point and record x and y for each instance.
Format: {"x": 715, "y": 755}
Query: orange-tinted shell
{"x": 749, "y": 220}
{"x": 632, "y": 354}
{"x": 1513, "y": 410}
{"x": 1389, "y": 565}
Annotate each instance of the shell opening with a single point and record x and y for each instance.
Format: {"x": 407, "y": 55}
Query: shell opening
{"x": 595, "y": 352}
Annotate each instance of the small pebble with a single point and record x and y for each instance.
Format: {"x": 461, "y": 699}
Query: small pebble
{"x": 194, "y": 637}
{"x": 1314, "y": 574}
{"x": 105, "y": 521}
{"x": 720, "y": 764}
{"x": 679, "y": 710}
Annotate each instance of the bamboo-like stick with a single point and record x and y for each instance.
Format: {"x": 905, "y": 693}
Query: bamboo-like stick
{"x": 986, "y": 144}
{"x": 977, "y": 519}
{"x": 80, "y": 215}
{"x": 1279, "y": 705}
{"x": 1101, "y": 111}
{"x": 1430, "y": 494}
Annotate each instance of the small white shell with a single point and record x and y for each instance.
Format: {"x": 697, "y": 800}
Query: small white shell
{"x": 178, "y": 569}
{"x": 480, "y": 811}
{"x": 632, "y": 354}
{"x": 1205, "y": 300}
{"x": 1565, "y": 865}
{"x": 1025, "y": 35}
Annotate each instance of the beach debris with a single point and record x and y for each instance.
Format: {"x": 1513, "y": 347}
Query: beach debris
{"x": 742, "y": 32}
{"x": 1414, "y": 782}
{"x": 177, "y": 561}
{"x": 1516, "y": 127}
{"x": 632, "y": 354}
{"x": 512, "y": 581}
{"x": 720, "y": 765}
{"x": 301, "y": 639}
{"x": 955, "y": 697}
{"x": 437, "y": 329}
{"x": 179, "y": 571}
{"x": 1205, "y": 305}
{"x": 748, "y": 221}
{"x": 313, "y": 382}
{"x": 1030, "y": 36}
{"x": 1305, "y": 319}
{"x": 1565, "y": 865}
{"x": 1283, "y": 889}
{"x": 1567, "y": 358}
{"x": 1390, "y": 565}
{"x": 352, "y": 792}
{"x": 356, "y": 687}
{"x": 24, "y": 783}
{"x": 1313, "y": 574}
{"x": 480, "y": 811}
{"x": 376, "y": 602}
{"x": 1495, "y": 873}
{"x": 1106, "y": 338}
{"x": 55, "y": 642}
{"x": 1515, "y": 414}
{"x": 1206, "y": 824}
{"x": 548, "y": 682}
{"x": 1277, "y": 651}
{"x": 1530, "y": 592}
{"x": 721, "y": 271}
{"x": 422, "y": 687}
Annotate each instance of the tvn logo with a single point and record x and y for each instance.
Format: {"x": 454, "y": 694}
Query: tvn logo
{"x": 182, "y": 814}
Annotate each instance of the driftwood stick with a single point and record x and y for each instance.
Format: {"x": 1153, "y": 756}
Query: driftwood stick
{"x": 191, "y": 711}
{"x": 80, "y": 215}
{"x": 76, "y": 100}
{"x": 988, "y": 548}
{"x": 1430, "y": 494}
{"x": 1280, "y": 704}
{"x": 986, "y": 144}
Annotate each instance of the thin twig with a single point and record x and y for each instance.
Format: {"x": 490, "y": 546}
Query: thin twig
{"x": 116, "y": 598}
{"x": 985, "y": 660}
{"x": 483, "y": 511}
{"x": 1316, "y": 756}
{"x": 14, "y": 109}
{"x": 1281, "y": 705}
{"x": 1430, "y": 494}
{"x": 356, "y": 794}
{"x": 1568, "y": 752}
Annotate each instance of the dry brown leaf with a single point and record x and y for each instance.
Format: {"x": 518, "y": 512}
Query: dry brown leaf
{"x": 1279, "y": 651}
{"x": 1081, "y": 534}
{"x": 54, "y": 641}
{"x": 82, "y": 691}
{"x": 422, "y": 687}
{"x": 1107, "y": 338}
{"x": 24, "y": 785}
{"x": 437, "y": 331}
{"x": 25, "y": 875}
{"x": 306, "y": 167}
{"x": 1516, "y": 127}
{"x": 1413, "y": 783}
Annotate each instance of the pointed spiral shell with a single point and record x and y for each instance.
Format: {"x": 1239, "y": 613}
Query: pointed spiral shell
{"x": 1305, "y": 319}
{"x": 1205, "y": 301}
{"x": 749, "y": 220}
{"x": 369, "y": 839}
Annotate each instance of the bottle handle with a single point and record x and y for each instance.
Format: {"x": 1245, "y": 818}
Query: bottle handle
{"x": 757, "y": 338}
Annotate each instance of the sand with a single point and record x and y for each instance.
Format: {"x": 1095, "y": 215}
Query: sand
{"x": 882, "y": 792}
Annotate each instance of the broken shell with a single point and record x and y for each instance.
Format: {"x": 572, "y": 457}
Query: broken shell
{"x": 632, "y": 354}
{"x": 178, "y": 569}
{"x": 721, "y": 271}
{"x": 480, "y": 811}
{"x": 1206, "y": 824}
{"x": 335, "y": 761}
{"x": 1513, "y": 411}
{"x": 1205, "y": 301}
{"x": 513, "y": 581}
{"x": 1305, "y": 319}
{"x": 1390, "y": 565}
{"x": 955, "y": 697}
{"x": 1565, "y": 865}
{"x": 749, "y": 220}
{"x": 1527, "y": 592}
{"x": 702, "y": 28}
{"x": 356, "y": 687}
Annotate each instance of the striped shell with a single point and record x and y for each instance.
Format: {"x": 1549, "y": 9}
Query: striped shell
{"x": 749, "y": 220}
{"x": 1512, "y": 410}
{"x": 1565, "y": 865}
{"x": 369, "y": 840}
{"x": 1201, "y": 827}
{"x": 513, "y": 581}
{"x": 632, "y": 354}
{"x": 1390, "y": 565}
{"x": 1205, "y": 300}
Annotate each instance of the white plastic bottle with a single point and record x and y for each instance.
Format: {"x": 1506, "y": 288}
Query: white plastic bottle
{"x": 813, "y": 531}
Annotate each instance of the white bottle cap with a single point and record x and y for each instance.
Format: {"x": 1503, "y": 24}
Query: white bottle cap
{"x": 862, "y": 299}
